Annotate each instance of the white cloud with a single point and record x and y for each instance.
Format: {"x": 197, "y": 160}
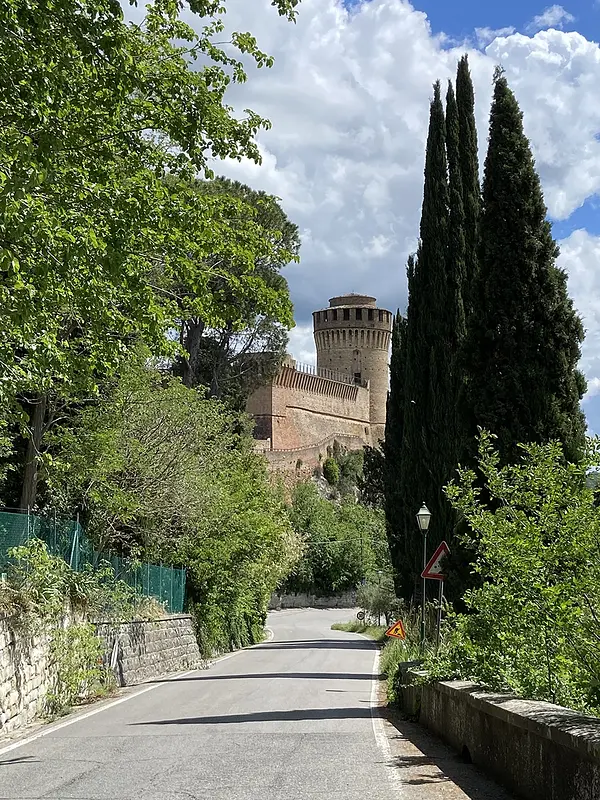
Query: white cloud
{"x": 302, "y": 345}
{"x": 348, "y": 98}
{"x": 580, "y": 257}
{"x": 486, "y": 35}
{"x": 552, "y": 17}
{"x": 554, "y": 76}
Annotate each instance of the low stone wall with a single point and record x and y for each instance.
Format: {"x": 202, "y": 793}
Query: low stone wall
{"x": 538, "y": 750}
{"x": 137, "y": 651}
{"x": 281, "y": 601}
{"x": 25, "y": 676}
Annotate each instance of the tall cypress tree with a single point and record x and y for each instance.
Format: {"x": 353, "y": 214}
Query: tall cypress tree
{"x": 423, "y": 449}
{"x": 523, "y": 340}
{"x": 394, "y": 427}
{"x": 469, "y": 174}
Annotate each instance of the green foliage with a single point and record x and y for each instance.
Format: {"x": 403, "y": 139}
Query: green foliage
{"x": 376, "y": 632}
{"x": 377, "y": 597}
{"x": 534, "y": 624}
{"x": 77, "y": 653}
{"x": 343, "y": 542}
{"x": 371, "y": 484}
{"x": 93, "y": 237}
{"x": 157, "y": 468}
{"x": 234, "y": 358}
{"x": 331, "y": 471}
{"x": 469, "y": 177}
{"x": 42, "y": 589}
{"x": 524, "y": 336}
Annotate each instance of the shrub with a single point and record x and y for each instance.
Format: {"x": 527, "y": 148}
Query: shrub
{"x": 331, "y": 471}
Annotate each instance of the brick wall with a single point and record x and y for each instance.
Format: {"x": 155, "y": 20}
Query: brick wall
{"x": 309, "y": 409}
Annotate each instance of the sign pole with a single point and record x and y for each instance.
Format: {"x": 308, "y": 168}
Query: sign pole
{"x": 439, "y": 619}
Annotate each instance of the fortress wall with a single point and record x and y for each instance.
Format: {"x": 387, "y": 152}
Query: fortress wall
{"x": 301, "y": 417}
{"x": 304, "y": 460}
{"x": 298, "y": 409}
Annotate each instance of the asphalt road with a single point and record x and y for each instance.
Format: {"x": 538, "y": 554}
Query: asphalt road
{"x": 292, "y": 718}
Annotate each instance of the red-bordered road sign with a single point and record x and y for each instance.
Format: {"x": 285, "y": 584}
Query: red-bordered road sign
{"x": 433, "y": 570}
{"x": 396, "y": 630}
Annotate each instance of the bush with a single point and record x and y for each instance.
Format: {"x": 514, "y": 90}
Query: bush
{"x": 534, "y": 623}
{"x": 378, "y": 598}
{"x": 331, "y": 471}
{"x": 77, "y": 653}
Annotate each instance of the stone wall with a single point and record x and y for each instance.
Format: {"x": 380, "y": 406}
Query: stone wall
{"x": 136, "y": 651}
{"x": 304, "y": 460}
{"x": 281, "y": 601}
{"x": 538, "y": 750}
{"x": 25, "y": 676}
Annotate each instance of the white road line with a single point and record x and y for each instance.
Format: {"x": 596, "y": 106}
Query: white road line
{"x": 381, "y": 737}
{"x": 155, "y": 684}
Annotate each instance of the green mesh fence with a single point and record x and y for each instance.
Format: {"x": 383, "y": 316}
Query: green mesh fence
{"x": 65, "y": 538}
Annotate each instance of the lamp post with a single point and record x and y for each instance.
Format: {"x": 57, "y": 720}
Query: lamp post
{"x": 423, "y": 519}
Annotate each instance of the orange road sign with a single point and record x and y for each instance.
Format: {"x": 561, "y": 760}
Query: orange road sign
{"x": 396, "y": 630}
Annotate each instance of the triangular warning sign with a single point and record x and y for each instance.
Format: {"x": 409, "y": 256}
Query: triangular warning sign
{"x": 396, "y": 630}
{"x": 433, "y": 570}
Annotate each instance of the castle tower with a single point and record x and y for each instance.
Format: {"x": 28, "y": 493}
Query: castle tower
{"x": 352, "y": 336}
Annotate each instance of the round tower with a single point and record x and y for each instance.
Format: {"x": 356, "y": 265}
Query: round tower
{"x": 352, "y": 336}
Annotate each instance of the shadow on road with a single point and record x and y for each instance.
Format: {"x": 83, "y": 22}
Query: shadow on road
{"x": 320, "y": 676}
{"x": 325, "y": 644}
{"x": 268, "y": 716}
{"x": 436, "y": 763}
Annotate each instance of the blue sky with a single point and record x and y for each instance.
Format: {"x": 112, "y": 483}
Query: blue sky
{"x": 458, "y": 18}
{"x": 348, "y": 99}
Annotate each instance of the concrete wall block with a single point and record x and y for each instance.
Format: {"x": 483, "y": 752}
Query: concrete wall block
{"x": 538, "y": 750}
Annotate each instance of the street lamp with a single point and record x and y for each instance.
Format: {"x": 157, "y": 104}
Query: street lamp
{"x": 423, "y": 519}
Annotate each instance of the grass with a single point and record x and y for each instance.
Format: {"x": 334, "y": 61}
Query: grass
{"x": 376, "y": 632}
{"x": 394, "y": 651}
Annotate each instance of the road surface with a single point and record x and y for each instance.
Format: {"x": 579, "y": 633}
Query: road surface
{"x": 292, "y": 719}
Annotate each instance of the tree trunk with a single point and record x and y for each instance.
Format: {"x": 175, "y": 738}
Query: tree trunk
{"x": 32, "y": 458}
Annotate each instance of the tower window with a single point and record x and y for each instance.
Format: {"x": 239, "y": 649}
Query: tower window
{"x": 381, "y": 316}
{"x": 370, "y": 315}
{"x": 344, "y": 335}
{"x": 325, "y": 316}
{"x": 357, "y": 378}
{"x": 335, "y": 315}
{"x": 359, "y": 313}
{"x": 346, "y": 313}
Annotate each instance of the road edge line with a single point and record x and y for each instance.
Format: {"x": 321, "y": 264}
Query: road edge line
{"x": 377, "y": 722}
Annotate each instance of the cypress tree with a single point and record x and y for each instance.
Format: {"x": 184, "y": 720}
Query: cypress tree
{"x": 457, "y": 238}
{"x": 469, "y": 174}
{"x": 523, "y": 339}
{"x": 394, "y": 426}
{"x": 424, "y": 445}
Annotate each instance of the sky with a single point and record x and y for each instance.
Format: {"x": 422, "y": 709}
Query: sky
{"x": 348, "y": 98}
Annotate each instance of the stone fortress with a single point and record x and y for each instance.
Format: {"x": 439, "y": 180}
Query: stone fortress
{"x": 305, "y": 409}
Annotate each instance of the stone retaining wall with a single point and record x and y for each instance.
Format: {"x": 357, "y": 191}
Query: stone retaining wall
{"x": 25, "y": 676}
{"x": 538, "y": 750}
{"x": 137, "y": 651}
